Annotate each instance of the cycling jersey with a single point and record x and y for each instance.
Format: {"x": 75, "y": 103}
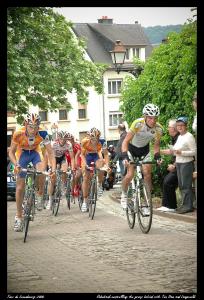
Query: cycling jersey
{"x": 87, "y": 147}
{"x": 24, "y": 142}
{"x": 143, "y": 134}
{"x": 76, "y": 148}
{"x": 61, "y": 150}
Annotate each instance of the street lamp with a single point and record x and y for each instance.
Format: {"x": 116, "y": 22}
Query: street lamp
{"x": 118, "y": 55}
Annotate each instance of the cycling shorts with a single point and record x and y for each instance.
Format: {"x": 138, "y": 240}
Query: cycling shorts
{"x": 26, "y": 157}
{"x": 134, "y": 151}
{"x": 91, "y": 157}
{"x": 61, "y": 160}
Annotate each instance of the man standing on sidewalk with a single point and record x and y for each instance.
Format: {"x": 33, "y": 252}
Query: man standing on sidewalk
{"x": 170, "y": 182}
{"x": 122, "y": 132}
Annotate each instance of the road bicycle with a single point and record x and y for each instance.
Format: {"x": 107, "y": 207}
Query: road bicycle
{"x": 139, "y": 199}
{"x": 69, "y": 183}
{"x": 92, "y": 197}
{"x": 29, "y": 203}
{"x": 80, "y": 196}
{"x": 45, "y": 198}
{"x": 58, "y": 189}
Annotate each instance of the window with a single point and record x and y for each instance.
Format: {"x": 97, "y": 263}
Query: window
{"x": 82, "y": 113}
{"x": 115, "y": 118}
{"x": 127, "y": 53}
{"x": 114, "y": 86}
{"x": 136, "y": 52}
{"x": 43, "y": 115}
{"x": 63, "y": 114}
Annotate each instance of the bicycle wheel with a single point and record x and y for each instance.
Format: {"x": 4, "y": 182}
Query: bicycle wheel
{"x": 144, "y": 207}
{"x": 29, "y": 203}
{"x": 56, "y": 202}
{"x": 68, "y": 192}
{"x": 45, "y": 194}
{"x": 130, "y": 211}
{"x": 130, "y": 214}
{"x": 80, "y": 197}
{"x": 92, "y": 199}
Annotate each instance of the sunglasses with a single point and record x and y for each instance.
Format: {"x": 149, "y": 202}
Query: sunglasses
{"x": 33, "y": 126}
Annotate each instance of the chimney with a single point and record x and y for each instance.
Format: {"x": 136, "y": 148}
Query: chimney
{"x": 136, "y": 22}
{"x": 105, "y": 20}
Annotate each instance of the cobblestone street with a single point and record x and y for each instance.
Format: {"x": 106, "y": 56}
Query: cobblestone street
{"x": 72, "y": 254}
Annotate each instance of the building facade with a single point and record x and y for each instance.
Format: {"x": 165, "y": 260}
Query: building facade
{"x": 101, "y": 111}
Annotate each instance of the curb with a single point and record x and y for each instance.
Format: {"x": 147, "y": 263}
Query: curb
{"x": 191, "y": 218}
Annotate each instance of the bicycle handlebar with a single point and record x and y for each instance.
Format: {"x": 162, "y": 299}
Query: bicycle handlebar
{"x": 31, "y": 171}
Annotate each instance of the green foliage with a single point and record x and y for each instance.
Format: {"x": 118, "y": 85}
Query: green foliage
{"x": 157, "y": 33}
{"x": 169, "y": 80}
{"x": 45, "y": 61}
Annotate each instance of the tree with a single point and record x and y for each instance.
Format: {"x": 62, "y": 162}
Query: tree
{"x": 169, "y": 79}
{"x": 45, "y": 61}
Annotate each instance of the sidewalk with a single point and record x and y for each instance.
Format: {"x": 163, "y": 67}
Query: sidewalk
{"x": 190, "y": 217}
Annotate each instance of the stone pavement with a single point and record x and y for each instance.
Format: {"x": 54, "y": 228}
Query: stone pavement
{"x": 70, "y": 253}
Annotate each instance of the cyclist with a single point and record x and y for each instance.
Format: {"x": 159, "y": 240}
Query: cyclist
{"x": 25, "y": 148}
{"x": 60, "y": 147}
{"x": 77, "y": 159}
{"x": 136, "y": 144}
{"x": 91, "y": 150}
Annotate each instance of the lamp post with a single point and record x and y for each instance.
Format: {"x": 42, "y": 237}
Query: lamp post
{"x": 118, "y": 55}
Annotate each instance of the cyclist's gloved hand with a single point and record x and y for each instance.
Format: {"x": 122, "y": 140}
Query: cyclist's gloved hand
{"x": 17, "y": 168}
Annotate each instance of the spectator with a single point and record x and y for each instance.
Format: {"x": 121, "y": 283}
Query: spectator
{"x": 122, "y": 132}
{"x": 170, "y": 183}
{"x": 185, "y": 151}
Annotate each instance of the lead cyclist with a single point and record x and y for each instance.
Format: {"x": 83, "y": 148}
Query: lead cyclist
{"x": 136, "y": 144}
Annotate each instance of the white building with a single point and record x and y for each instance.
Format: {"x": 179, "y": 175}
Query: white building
{"x": 101, "y": 111}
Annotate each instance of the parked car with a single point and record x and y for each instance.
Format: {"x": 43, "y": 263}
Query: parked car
{"x": 11, "y": 180}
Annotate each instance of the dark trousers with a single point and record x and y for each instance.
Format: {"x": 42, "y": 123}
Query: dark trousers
{"x": 184, "y": 172}
{"x": 170, "y": 185}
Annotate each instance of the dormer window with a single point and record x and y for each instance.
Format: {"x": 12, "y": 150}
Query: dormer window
{"x": 136, "y": 52}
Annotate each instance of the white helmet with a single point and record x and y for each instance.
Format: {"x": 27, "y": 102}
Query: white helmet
{"x": 151, "y": 110}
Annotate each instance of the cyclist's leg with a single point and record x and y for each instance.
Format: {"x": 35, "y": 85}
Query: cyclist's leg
{"x": 64, "y": 167}
{"x": 23, "y": 161}
{"x": 39, "y": 164}
{"x": 147, "y": 170}
{"x": 125, "y": 183}
{"x": 85, "y": 189}
{"x": 99, "y": 164}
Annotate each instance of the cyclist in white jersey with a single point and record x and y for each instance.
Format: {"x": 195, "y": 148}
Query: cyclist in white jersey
{"x": 60, "y": 147}
{"x": 136, "y": 144}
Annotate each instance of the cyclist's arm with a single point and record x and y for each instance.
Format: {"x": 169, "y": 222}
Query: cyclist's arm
{"x": 126, "y": 141}
{"x": 12, "y": 152}
{"x": 157, "y": 146}
{"x": 77, "y": 156}
{"x": 51, "y": 156}
{"x": 71, "y": 153}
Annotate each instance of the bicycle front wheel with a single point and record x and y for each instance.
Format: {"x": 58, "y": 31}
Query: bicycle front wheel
{"x": 92, "y": 200}
{"x": 56, "y": 202}
{"x": 130, "y": 214}
{"x": 68, "y": 193}
{"x": 29, "y": 201}
{"x": 144, "y": 207}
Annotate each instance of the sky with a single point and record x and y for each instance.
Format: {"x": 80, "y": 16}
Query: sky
{"x": 146, "y": 16}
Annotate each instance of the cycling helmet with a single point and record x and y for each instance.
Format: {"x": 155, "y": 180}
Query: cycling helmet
{"x": 94, "y": 132}
{"x": 182, "y": 119}
{"x": 63, "y": 135}
{"x": 32, "y": 119}
{"x": 69, "y": 136}
{"x": 151, "y": 110}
